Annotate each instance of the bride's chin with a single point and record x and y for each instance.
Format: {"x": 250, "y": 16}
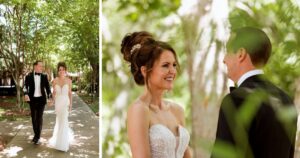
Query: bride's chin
{"x": 168, "y": 89}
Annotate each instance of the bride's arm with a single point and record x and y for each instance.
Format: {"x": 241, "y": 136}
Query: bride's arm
{"x": 54, "y": 91}
{"x": 188, "y": 153}
{"x": 70, "y": 94}
{"x": 137, "y": 128}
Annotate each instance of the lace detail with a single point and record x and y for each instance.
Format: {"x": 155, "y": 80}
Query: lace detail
{"x": 62, "y": 133}
{"x": 163, "y": 142}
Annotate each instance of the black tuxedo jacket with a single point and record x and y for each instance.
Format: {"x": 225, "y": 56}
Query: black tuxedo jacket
{"x": 266, "y": 134}
{"x": 29, "y": 86}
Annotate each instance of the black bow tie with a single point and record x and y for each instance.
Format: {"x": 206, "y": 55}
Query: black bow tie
{"x": 232, "y": 89}
{"x": 39, "y": 74}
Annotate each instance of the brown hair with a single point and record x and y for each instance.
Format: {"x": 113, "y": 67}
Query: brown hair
{"x": 140, "y": 49}
{"x": 36, "y": 62}
{"x": 61, "y": 64}
{"x": 255, "y": 41}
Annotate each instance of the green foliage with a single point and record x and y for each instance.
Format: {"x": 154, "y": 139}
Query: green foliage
{"x": 284, "y": 34}
{"x": 54, "y": 31}
{"x": 277, "y": 19}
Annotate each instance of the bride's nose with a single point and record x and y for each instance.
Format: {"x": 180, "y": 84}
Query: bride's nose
{"x": 172, "y": 70}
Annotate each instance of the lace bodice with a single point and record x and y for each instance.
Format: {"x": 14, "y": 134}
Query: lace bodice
{"x": 61, "y": 90}
{"x": 61, "y": 97}
{"x": 163, "y": 142}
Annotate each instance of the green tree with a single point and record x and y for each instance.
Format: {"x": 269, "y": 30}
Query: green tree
{"x": 15, "y": 32}
{"x": 49, "y": 31}
{"x": 198, "y": 34}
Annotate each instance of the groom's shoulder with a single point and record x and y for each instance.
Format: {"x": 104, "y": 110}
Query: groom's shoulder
{"x": 236, "y": 97}
{"x": 29, "y": 75}
{"x": 240, "y": 92}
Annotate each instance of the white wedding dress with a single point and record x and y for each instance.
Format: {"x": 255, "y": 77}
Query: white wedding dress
{"x": 164, "y": 144}
{"x": 62, "y": 134}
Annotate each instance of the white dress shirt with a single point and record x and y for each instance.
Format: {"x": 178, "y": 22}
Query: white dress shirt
{"x": 37, "y": 85}
{"x": 249, "y": 74}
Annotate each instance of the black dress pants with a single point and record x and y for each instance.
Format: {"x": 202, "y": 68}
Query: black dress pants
{"x": 37, "y": 106}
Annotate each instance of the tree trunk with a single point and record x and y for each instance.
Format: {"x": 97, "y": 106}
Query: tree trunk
{"x": 206, "y": 83}
{"x": 95, "y": 69}
{"x": 297, "y": 104}
{"x": 19, "y": 100}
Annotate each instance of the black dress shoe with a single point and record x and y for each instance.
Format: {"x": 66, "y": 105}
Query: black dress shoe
{"x": 33, "y": 140}
{"x": 36, "y": 142}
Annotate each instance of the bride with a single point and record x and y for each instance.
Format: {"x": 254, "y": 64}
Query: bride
{"x": 155, "y": 126}
{"x": 62, "y": 134}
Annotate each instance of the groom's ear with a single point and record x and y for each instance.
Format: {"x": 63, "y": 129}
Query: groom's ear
{"x": 144, "y": 71}
{"x": 242, "y": 54}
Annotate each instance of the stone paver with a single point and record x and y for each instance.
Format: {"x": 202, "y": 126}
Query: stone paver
{"x": 83, "y": 122}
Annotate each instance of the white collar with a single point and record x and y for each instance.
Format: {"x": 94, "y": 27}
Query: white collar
{"x": 35, "y": 73}
{"x": 249, "y": 74}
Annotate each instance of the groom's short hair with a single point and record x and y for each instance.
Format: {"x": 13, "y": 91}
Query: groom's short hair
{"x": 36, "y": 62}
{"x": 254, "y": 40}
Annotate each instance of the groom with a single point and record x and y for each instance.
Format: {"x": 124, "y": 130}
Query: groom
{"x": 253, "y": 119}
{"x": 37, "y": 90}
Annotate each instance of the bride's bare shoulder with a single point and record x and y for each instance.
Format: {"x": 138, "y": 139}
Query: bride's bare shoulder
{"x": 138, "y": 107}
{"x": 138, "y": 115}
{"x": 174, "y": 106}
{"x": 69, "y": 80}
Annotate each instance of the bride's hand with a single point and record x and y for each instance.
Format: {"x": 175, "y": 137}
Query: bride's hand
{"x": 50, "y": 102}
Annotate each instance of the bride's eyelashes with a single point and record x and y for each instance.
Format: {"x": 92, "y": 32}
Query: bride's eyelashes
{"x": 166, "y": 65}
{"x": 174, "y": 65}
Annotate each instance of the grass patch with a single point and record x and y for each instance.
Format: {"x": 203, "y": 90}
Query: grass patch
{"x": 91, "y": 101}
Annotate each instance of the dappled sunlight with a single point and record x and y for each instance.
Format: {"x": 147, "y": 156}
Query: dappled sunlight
{"x": 29, "y": 136}
{"x": 81, "y": 121}
{"x": 43, "y": 154}
{"x": 11, "y": 151}
{"x": 49, "y": 111}
{"x": 83, "y": 153}
{"x": 82, "y": 74}
{"x": 18, "y": 127}
{"x": 79, "y": 124}
{"x": 2, "y": 111}
{"x": 85, "y": 138}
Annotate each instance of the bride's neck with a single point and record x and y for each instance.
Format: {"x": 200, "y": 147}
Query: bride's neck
{"x": 153, "y": 98}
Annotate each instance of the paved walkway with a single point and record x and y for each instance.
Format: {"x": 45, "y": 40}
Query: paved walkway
{"x": 83, "y": 122}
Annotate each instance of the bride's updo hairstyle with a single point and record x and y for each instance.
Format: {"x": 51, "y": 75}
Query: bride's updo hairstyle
{"x": 140, "y": 49}
{"x": 61, "y": 64}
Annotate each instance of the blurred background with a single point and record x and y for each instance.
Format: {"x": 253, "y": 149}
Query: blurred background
{"x": 198, "y": 31}
{"x": 50, "y": 31}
